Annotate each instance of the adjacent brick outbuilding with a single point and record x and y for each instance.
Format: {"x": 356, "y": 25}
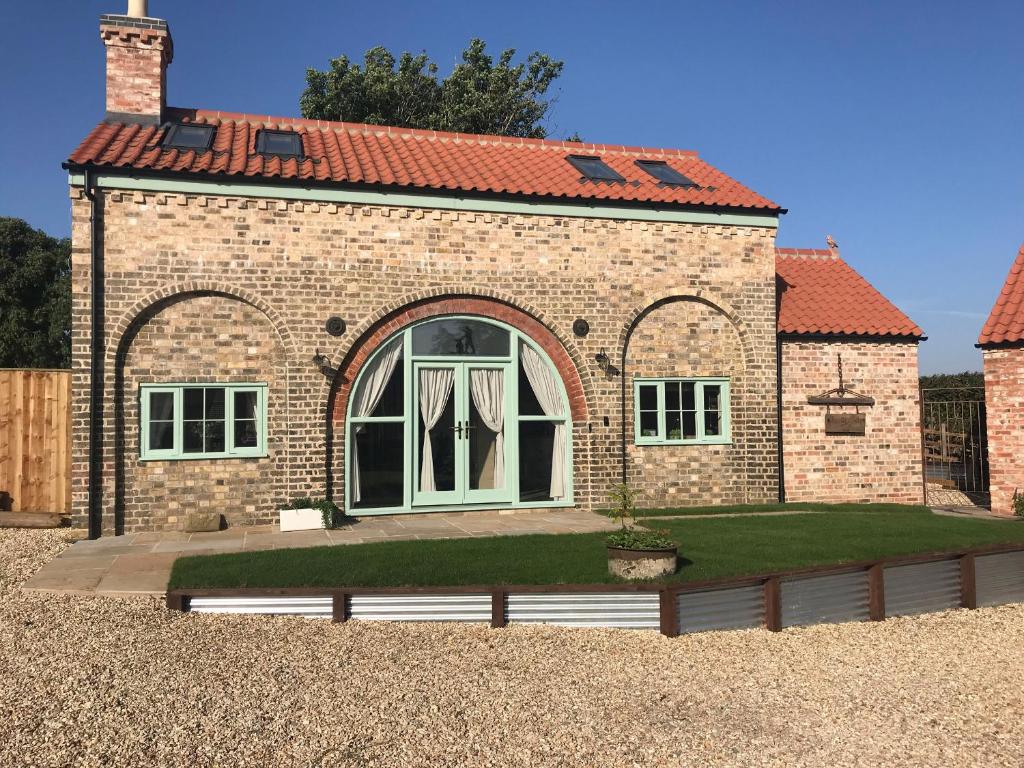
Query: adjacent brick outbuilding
{"x": 830, "y": 316}
{"x": 209, "y": 270}
{"x": 1002, "y": 351}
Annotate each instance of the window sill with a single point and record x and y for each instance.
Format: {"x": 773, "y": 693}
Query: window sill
{"x": 646, "y": 443}
{"x": 205, "y": 456}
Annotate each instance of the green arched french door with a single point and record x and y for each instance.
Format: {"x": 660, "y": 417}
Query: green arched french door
{"x": 457, "y": 412}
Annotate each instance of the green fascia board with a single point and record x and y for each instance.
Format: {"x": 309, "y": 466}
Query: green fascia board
{"x": 346, "y": 196}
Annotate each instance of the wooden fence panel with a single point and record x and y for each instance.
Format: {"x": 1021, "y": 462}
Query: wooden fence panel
{"x": 35, "y": 440}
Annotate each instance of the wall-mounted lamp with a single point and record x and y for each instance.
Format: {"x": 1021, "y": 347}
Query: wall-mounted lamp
{"x": 323, "y": 362}
{"x": 603, "y": 361}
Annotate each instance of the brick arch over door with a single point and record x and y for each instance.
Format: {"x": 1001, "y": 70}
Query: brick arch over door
{"x": 485, "y": 307}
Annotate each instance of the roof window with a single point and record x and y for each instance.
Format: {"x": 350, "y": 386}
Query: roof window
{"x": 189, "y": 136}
{"x": 665, "y": 173}
{"x": 593, "y": 168}
{"x": 281, "y": 143}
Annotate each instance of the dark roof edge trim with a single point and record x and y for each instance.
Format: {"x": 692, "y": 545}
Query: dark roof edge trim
{"x": 1000, "y": 344}
{"x": 872, "y": 338}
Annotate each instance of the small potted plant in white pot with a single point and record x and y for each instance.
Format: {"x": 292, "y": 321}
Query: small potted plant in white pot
{"x": 633, "y": 552}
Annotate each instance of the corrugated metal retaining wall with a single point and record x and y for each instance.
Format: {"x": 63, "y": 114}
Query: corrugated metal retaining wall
{"x": 857, "y": 592}
{"x": 999, "y": 578}
{"x": 825, "y": 599}
{"x": 922, "y": 588}
{"x": 625, "y": 610}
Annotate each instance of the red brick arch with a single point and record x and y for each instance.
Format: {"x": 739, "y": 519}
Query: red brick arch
{"x": 483, "y": 307}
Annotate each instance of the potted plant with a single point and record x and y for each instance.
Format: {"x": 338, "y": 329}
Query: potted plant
{"x": 633, "y": 552}
{"x": 306, "y": 514}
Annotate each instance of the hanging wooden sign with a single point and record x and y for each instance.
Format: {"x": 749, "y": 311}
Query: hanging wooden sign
{"x": 845, "y": 423}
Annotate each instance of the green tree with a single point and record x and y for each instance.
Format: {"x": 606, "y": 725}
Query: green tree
{"x": 35, "y": 297}
{"x": 969, "y": 385}
{"x": 479, "y": 96}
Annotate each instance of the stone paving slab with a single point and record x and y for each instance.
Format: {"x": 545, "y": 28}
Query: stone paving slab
{"x": 140, "y": 563}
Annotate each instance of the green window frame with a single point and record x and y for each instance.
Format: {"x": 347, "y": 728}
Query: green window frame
{"x": 229, "y": 420}
{"x": 681, "y": 411}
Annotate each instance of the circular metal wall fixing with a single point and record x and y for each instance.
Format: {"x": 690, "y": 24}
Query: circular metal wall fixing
{"x": 580, "y": 327}
{"x": 335, "y": 326}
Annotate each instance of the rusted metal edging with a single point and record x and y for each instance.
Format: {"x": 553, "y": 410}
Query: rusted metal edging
{"x": 968, "y": 582}
{"x": 669, "y": 619}
{"x": 773, "y": 604}
{"x": 876, "y": 592}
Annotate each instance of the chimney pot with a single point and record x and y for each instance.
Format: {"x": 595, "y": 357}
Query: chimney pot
{"x": 138, "y": 9}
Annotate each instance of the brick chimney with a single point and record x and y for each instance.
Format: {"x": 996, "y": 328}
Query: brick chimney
{"x": 139, "y": 48}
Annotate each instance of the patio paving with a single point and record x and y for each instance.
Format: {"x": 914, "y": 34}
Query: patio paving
{"x": 140, "y": 563}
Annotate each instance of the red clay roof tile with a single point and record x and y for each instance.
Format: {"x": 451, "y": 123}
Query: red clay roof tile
{"x": 1005, "y": 323}
{"x": 819, "y": 293}
{"x": 403, "y": 157}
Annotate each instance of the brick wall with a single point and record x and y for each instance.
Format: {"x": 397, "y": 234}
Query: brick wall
{"x": 294, "y": 264}
{"x": 202, "y": 339}
{"x": 691, "y": 339}
{"x": 883, "y": 465}
{"x": 1004, "y": 403}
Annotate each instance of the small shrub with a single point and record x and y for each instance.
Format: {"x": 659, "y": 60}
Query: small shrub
{"x": 640, "y": 538}
{"x": 623, "y": 498}
{"x": 1018, "y": 503}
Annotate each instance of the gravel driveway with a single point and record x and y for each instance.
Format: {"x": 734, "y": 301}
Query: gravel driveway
{"x": 107, "y": 681}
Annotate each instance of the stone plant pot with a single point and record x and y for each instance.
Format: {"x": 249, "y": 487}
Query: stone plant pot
{"x": 641, "y": 563}
{"x": 301, "y": 519}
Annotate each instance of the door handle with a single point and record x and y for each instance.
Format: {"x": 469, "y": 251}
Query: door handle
{"x": 457, "y": 429}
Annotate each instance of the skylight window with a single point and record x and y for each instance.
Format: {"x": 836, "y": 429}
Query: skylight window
{"x": 594, "y": 168}
{"x": 665, "y": 173}
{"x": 282, "y": 143}
{"x": 188, "y": 136}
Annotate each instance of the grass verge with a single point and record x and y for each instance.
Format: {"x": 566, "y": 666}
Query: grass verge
{"x": 754, "y": 509}
{"x": 709, "y": 548}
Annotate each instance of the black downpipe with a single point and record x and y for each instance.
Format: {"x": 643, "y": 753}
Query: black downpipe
{"x": 778, "y": 409}
{"x": 622, "y": 415}
{"x": 95, "y": 357}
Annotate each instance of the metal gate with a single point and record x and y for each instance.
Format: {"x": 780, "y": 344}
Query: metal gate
{"x": 954, "y": 446}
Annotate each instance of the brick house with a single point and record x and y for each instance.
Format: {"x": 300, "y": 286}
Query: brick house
{"x": 1002, "y": 351}
{"x": 407, "y": 321}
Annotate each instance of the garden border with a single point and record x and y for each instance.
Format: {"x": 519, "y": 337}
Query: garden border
{"x": 782, "y": 601}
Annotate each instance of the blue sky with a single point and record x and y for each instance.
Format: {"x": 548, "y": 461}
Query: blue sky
{"x": 896, "y": 127}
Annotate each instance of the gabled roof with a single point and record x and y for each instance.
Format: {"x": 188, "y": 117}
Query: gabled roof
{"x": 352, "y": 153}
{"x": 1005, "y": 323}
{"x": 819, "y": 293}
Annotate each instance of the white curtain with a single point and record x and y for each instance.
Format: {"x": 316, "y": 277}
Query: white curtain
{"x": 488, "y": 388}
{"x": 548, "y": 394}
{"x": 372, "y": 384}
{"x": 435, "y": 389}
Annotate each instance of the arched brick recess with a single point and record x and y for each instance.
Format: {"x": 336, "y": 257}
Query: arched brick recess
{"x": 654, "y": 301}
{"x": 151, "y": 302}
{"x": 376, "y": 331}
{"x": 232, "y": 338}
{"x": 132, "y": 322}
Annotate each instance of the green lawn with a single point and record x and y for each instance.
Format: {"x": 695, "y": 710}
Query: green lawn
{"x": 731, "y": 509}
{"x": 709, "y": 548}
